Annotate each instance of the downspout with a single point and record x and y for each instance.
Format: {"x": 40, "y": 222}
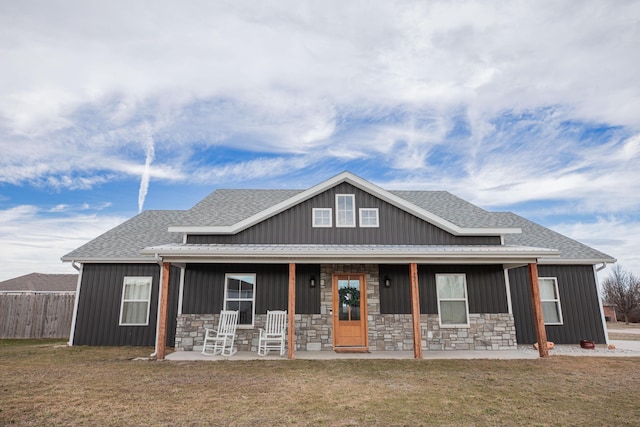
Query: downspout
{"x": 74, "y": 317}
{"x": 159, "y": 262}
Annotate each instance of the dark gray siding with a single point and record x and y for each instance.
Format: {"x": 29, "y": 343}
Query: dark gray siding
{"x": 397, "y": 227}
{"x": 204, "y": 287}
{"x": 99, "y": 301}
{"x": 485, "y": 285}
{"x": 578, "y": 300}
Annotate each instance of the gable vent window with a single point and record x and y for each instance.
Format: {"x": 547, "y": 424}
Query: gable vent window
{"x": 369, "y": 217}
{"x": 345, "y": 210}
{"x": 322, "y": 217}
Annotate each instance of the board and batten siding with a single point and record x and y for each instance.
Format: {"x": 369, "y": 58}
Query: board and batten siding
{"x": 204, "y": 287}
{"x": 99, "y": 303}
{"x": 294, "y": 226}
{"x": 36, "y": 314}
{"x": 579, "y": 302}
{"x": 485, "y": 285}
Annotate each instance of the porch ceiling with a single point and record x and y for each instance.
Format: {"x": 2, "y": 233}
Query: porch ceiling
{"x": 348, "y": 253}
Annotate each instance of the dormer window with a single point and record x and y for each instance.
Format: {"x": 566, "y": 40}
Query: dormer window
{"x": 369, "y": 217}
{"x": 321, "y": 217}
{"x": 345, "y": 210}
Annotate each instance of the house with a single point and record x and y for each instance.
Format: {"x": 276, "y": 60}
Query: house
{"x": 609, "y": 312}
{"x": 358, "y": 268}
{"x": 37, "y": 305}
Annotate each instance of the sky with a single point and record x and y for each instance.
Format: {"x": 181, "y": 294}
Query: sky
{"x": 110, "y": 108}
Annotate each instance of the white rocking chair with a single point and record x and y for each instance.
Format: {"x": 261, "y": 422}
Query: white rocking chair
{"x": 221, "y": 341}
{"x": 274, "y": 333}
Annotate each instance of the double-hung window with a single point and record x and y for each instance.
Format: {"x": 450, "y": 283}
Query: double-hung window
{"x": 239, "y": 294}
{"x": 345, "y": 210}
{"x": 321, "y": 217}
{"x": 550, "y": 299}
{"x": 136, "y": 301}
{"x": 453, "y": 305}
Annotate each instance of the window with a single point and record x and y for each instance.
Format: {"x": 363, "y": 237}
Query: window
{"x": 550, "y": 300}
{"x": 453, "y": 306}
{"x": 136, "y": 299}
{"x": 369, "y": 217}
{"x": 239, "y": 294}
{"x": 322, "y": 217}
{"x": 345, "y": 210}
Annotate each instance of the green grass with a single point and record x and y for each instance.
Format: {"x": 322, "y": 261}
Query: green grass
{"x": 43, "y": 383}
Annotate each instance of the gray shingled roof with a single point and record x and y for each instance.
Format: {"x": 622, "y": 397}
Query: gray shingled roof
{"x": 452, "y": 208}
{"x": 228, "y": 207}
{"x": 536, "y": 235}
{"x": 40, "y": 282}
{"x": 127, "y": 239}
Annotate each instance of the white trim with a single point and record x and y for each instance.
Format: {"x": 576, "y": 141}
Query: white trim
{"x": 313, "y": 217}
{"x": 508, "y": 289}
{"x": 466, "y": 301}
{"x": 359, "y": 183}
{"x": 353, "y": 211}
{"x": 181, "y": 290}
{"x": 74, "y": 317}
{"x": 604, "y": 322}
{"x": 376, "y": 210}
{"x": 556, "y": 300}
{"x": 147, "y": 300}
{"x": 253, "y": 298}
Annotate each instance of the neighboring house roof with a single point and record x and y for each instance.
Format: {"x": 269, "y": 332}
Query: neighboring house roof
{"x": 39, "y": 282}
{"x": 124, "y": 242}
{"x": 228, "y": 211}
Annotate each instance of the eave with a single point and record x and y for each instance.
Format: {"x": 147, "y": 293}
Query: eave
{"x": 375, "y": 254}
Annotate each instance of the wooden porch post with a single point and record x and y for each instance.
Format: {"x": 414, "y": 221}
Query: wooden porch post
{"x": 538, "y": 317}
{"x": 415, "y": 311}
{"x": 291, "y": 345}
{"x": 161, "y": 350}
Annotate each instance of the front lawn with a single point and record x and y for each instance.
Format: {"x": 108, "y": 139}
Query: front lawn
{"x": 46, "y": 383}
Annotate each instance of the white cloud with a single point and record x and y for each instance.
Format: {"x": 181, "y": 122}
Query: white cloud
{"x": 33, "y": 241}
{"x": 304, "y": 86}
{"x": 611, "y": 235}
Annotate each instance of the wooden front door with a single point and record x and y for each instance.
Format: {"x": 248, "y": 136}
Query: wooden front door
{"x": 350, "y": 312}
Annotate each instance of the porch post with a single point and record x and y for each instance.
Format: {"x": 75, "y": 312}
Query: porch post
{"x": 415, "y": 311}
{"x": 291, "y": 345}
{"x": 161, "y": 345}
{"x": 538, "y": 317}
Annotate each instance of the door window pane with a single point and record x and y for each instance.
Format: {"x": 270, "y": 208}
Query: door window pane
{"x": 349, "y": 299}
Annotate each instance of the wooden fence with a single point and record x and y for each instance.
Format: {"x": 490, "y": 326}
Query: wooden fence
{"x": 36, "y": 314}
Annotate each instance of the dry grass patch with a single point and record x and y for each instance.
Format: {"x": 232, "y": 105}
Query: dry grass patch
{"x": 45, "y": 384}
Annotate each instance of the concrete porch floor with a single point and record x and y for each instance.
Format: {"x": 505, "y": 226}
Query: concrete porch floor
{"x": 623, "y": 349}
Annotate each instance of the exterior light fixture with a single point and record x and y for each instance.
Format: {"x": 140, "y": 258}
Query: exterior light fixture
{"x": 312, "y": 282}
{"x": 387, "y": 282}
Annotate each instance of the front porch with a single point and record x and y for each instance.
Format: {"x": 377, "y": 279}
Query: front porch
{"x": 386, "y": 335}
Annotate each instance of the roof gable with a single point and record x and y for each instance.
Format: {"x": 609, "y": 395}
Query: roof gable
{"x": 277, "y": 201}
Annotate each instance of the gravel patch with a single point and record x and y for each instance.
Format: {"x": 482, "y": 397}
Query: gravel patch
{"x": 576, "y": 350}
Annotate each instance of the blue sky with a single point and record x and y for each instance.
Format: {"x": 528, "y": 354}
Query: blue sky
{"x": 113, "y": 107}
